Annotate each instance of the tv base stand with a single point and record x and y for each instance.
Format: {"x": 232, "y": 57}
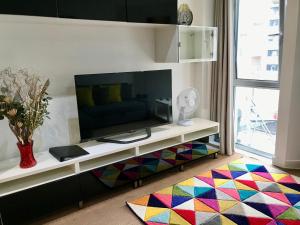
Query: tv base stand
{"x": 13, "y": 179}
{"x": 108, "y": 140}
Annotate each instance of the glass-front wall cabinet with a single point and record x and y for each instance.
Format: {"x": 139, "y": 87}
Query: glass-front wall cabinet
{"x": 197, "y": 43}
{"x": 183, "y": 44}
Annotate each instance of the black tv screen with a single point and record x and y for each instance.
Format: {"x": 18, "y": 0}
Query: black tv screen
{"x": 115, "y": 103}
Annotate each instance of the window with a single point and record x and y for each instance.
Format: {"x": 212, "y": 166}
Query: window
{"x": 256, "y": 81}
{"x": 273, "y": 52}
{"x": 275, "y": 10}
{"x": 272, "y": 67}
{"x": 256, "y": 124}
{"x": 255, "y": 38}
{"x": 274, "y": 23}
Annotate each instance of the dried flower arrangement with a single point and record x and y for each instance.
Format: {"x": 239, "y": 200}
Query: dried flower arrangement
{"x": 23, "y": 101}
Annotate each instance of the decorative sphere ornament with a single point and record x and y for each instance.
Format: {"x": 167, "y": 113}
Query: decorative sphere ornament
{"x": 185, "y": 15}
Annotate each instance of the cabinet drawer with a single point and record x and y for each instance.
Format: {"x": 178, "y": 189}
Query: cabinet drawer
{"x": 114, "y": 10}
{"x": 152, "y": 11}
{"x": 29, "y": 7}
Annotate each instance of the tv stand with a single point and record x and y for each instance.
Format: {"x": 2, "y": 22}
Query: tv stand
{"x": 14, "y": 179}
{"x": 108, "y": 140}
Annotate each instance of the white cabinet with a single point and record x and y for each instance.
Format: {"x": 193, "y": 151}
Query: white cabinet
{"x": 14, "y": 179}
{"x": 186, "y": 44}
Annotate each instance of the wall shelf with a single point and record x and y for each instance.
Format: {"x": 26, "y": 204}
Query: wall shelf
{"x": 48, "y": 169}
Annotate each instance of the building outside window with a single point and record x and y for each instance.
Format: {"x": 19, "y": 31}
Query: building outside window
{"x": 256, "y": 81}
{"x": 272, "y": 67}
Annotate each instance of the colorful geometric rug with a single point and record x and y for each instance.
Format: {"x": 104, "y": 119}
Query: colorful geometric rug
{"x": 120, "y": 173}
{"x": 238, "y": 193}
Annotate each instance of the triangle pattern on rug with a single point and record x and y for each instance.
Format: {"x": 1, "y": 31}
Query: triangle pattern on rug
{"x": 226, "y": 221}
{"x": 204, "y": 217}
{"x": 142, "y": 201}
{"x": 202, "y": 207}
{"x": 176, "y": 219}
{"x": 248, "y": 183}
{"x": 201, "y": 191}
{"x": 214, "y": 220}
{"x": 188, "y": 205}
{"x": 288, "y": 179}
{"x": 225, "y": 205}
{"x": 225, "y": 173}
{"x": 263, "y": 198}
{"x": 231, "y": 192}
{"x": 209, "y": 181}
{"x": 278, "y": 196}
{"x": 188, "y": 215}
{"x": 263, "y": 176}
{"x": 155, "y": 202}
{"x": 229, "y": 184}
{"x": 178, "y": 200}
{"x": 178, "y": 191}
{"x": 291, "y": 214}
{"x": 243, "y": 209}
{"x": 241, "y": 186}
{"x": 139, "y": 210}
{"x": 153, "y": 211}
{"x": 259, "y": 221}
{"x": 165, "y": 199}
{"x": 212, "y": 203}
{"x": 223, "y": 196}
{"x": 220, "y": 182}
{"x": 163, "y": 217}
{"x": 234, "y": 194}
{"x": 277, "y": 210}
{"x": 244, "y": 194}
{"x": 293, "y": 198}
{"x": 278, "y": 176}
{"x": 236, "y": 174}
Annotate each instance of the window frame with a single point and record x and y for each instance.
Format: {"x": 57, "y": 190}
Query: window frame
{"x": 241, "y": 82}
{"x": 254, "y": 83}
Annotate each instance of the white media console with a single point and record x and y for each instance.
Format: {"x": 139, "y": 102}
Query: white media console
{"x": 14, "y": 179}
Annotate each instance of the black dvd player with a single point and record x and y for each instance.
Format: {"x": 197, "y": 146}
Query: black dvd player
{"x": 65, "y": 153}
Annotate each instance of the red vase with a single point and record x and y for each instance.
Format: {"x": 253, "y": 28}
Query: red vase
{"x": 27, "y": 158}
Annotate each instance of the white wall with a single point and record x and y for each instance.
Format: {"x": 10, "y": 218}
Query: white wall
{"x": 60, "y": 50}
{"x": 288, "y": 145}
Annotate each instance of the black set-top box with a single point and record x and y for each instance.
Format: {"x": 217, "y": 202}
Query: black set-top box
{"x": 65, "y": 153}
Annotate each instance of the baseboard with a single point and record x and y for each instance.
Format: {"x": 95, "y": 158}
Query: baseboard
{"x": 288, "y": 164}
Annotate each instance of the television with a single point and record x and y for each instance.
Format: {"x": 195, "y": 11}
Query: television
{"x": 116, "y": 103}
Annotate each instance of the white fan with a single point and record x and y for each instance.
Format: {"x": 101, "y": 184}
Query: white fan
{"x": 187, "y": 103}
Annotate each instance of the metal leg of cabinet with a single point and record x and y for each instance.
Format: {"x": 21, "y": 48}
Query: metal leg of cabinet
{"x": 135, "y": 184}
{"x": 80, "y": 199}
{"x": 1, "y": 220}
{"x": 140, "y": 182}
{"x": 80, "y": 204}
{"x": 215, "y": 155}
{"x": 181, "y": 168}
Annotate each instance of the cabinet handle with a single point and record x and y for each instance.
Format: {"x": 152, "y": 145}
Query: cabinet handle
{"x": 179, "y": 44}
